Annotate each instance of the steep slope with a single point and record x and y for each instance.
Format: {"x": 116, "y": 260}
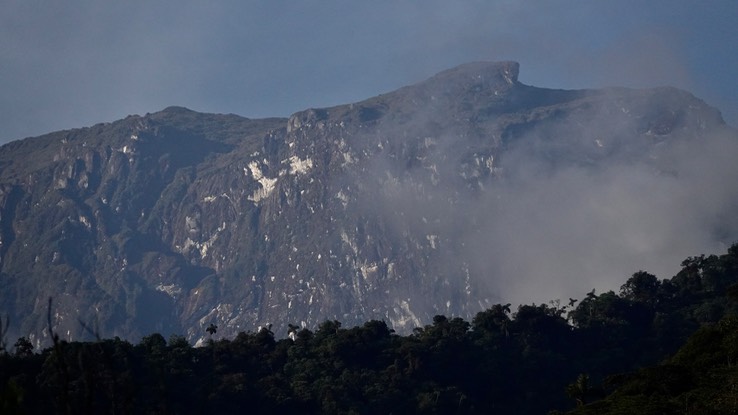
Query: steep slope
{"x": 78, "y": 215}
{"x": 379, "y": 209}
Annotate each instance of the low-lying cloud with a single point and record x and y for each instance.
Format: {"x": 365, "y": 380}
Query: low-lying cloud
{"x": 578, "y": 228}
{"x": 566, "y": 211}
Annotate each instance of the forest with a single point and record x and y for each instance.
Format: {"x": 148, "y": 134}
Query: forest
{"x": 654, "y": 347}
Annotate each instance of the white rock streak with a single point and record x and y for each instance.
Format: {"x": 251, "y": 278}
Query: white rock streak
{"x": 170, "y": 289}
{"x": 267, "y": 184}
{"x": 298, "y": 166}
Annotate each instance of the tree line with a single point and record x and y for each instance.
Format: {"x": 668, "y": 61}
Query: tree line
{"x": 597, "y": 354}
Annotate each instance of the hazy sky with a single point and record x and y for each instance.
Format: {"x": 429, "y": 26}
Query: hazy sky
{"x": 78, "y": 62}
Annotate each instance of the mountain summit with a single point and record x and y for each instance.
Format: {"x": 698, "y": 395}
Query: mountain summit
{"x": 379, "y": 209}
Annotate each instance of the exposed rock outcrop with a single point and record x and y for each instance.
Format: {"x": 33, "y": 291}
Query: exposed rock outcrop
{"x": 175, "y": 220}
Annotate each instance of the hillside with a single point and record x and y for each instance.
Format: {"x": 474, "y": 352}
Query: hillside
{"x": 396, "y": 208}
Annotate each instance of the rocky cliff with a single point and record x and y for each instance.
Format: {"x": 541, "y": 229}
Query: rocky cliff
{"x": 174, "y": 220}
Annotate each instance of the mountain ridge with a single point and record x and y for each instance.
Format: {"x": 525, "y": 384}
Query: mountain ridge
{"x": 175, "y": 220}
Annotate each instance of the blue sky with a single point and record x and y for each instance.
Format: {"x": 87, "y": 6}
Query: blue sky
{"x": 79, "y": 62}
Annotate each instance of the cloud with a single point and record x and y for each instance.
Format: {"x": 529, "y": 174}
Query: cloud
{"x": 573, "y": 228}
{"x": 562, "y": 234}
{"x": 580, "y": 201}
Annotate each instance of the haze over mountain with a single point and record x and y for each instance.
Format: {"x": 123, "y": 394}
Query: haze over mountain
{"x": 444, "y": 197}
{"x": 80, "y": 62}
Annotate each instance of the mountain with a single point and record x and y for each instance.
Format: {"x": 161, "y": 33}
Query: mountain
{"x": 380, "y": 209}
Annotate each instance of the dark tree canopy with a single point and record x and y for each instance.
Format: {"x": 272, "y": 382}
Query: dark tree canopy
{"x": 536, "y": 358}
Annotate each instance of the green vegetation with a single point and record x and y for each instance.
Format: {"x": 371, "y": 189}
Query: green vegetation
{"x": 612, "y": 353}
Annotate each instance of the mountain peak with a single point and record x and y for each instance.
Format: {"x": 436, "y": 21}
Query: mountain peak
{"x": 174, "y": 109}
{"x": 475, "y": 77}
{"x": 506, "y": 71}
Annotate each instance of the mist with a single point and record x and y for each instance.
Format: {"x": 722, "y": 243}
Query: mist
{"x": 564, "y": 208}
{"x": 561, "y": 234}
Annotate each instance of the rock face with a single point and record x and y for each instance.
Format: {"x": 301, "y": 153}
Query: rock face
{"x": 171, "y": 221}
